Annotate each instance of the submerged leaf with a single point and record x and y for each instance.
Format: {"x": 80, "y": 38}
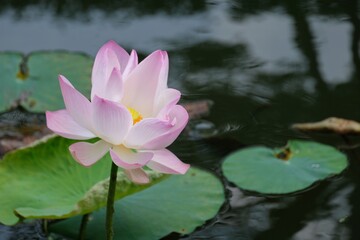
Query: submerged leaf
{"x": 198, "y": 109}
{"x": 280, "y": 171}
{"x": 43, "y": 181}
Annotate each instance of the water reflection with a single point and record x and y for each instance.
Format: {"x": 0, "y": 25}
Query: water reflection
{"x": 264, "y": 64}
{"x": 82, "y": 9}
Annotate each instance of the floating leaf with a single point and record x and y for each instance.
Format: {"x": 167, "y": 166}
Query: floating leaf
{"x": 332, "y": 124}
{"x": 279, "y": 171}
{"x": 178, "y": 204}
{"x": 32, "y": 81}
{"x": 10, "y": 85}
{"x": 198, "y": 109}
{"x": 44, "y": 181}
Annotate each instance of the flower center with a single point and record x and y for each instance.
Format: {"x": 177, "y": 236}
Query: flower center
{"x": 136, "y": 116}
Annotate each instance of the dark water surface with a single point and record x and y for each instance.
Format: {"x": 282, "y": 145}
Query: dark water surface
{"x": 264, "y": 64}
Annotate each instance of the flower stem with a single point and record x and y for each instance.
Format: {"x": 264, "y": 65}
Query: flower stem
{"x": 82, "y": 230}
{"x": 45, "y": 226}
{"x": 110, "y": 202}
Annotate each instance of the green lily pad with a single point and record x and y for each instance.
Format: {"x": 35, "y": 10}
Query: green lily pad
{"x": 10, "y": 86}
{"x": 178, "y": 204}
{"x": 44, "y": 181}
{"x": 280, "y": 171}
{"x": 32, "y": 81}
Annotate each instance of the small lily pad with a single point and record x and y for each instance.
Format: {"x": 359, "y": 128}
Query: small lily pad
{"x": 44, "y": 181}
{"x": 286, "y": 170}
{"x": 32, "y": 81}
{"x": 177, "y": 204}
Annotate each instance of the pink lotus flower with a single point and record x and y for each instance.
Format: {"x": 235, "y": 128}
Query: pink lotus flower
{"x": 132, "y": 111}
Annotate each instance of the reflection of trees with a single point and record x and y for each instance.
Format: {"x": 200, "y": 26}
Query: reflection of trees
{"x": 81, "y": 8}
{"x": 354, "y": 20}
{"x": 324, "y": 8}
{"x": 353, "y": 9}
{"x": 300, "y": 11}
{"x": 305, "y": 39}
{"x": 210, "y": 69}
{"x": 222, "y": 72}
{"x": 240, "y": 9}
{"x": 290, "y": 99}
{"x": 213, "y": 55}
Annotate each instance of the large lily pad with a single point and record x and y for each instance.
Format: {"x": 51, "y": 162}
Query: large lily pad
{"x": 31, "y": 81}
{"x": 43, "y": 181}
{"x": 280, "y": 171}
{"x": 178, "y": 204}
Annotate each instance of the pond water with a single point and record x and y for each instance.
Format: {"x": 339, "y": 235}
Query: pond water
{"x": 264, "y": 65}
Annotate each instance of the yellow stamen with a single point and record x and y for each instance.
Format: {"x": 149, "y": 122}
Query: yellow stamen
{"x": 136, "y": 116}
